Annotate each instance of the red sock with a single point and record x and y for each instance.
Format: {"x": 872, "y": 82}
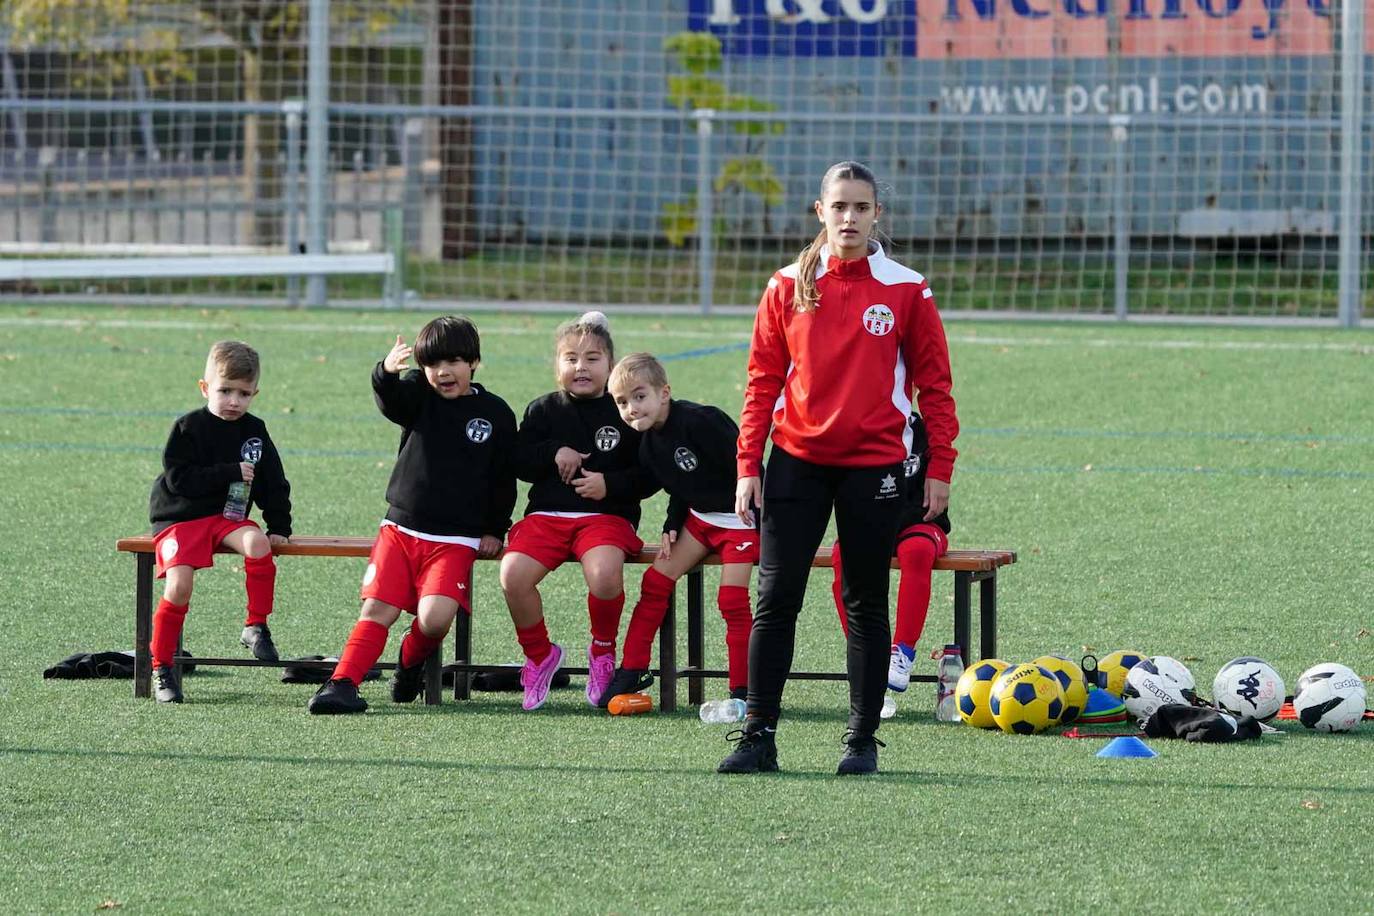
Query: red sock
{"x": 416, "y": 646}
{"x": 605, "y": 614}
{"x": 364, "y": 647}
{"x": 739, "y": 621}
{"x": 916, "y": 556}
{"x": 260, "y": 581}
{"x": 534, "y": 640}
{"x": 837, "y": 589}
{"x": 167, "y": 622}
{"x": 654, "y": 591}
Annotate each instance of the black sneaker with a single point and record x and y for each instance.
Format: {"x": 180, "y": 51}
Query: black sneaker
{"x": 739, "y": 693}
{"x": 337, "y": 697}
{"x": 755, "y": 751}
{"x": 258, "y": 639}
{"x": 166, "y": 687}
{"x": 860, "y": 756}
{"x": 625, "y": 680}
{"x": 407, "y": 683}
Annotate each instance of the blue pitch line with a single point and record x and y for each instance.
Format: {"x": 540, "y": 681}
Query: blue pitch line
{"x": 1165, "y": 470}
{"x": 1001, "y": 432}
{"x": 705, "y": 351}
{"x": 964, "y": 467}
{"x": 157, "y": 450}
{"x": 1013, "y": 431}
{"x": 173, "y": 414}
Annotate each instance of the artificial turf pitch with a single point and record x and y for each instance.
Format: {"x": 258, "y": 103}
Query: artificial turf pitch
{"x": 1197, "y": 492}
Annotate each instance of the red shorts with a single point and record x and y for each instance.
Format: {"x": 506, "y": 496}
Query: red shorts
{"x": 735, "y": 545}
{"x": 402, "y": 569}
{"x": 193, "y": 543}
{"x": 550, "y": 540}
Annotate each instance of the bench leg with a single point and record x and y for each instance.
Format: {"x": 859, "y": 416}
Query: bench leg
{"x": 696, "y": 637}
{"x": 143, "y": 625}
{"x": 462, "y": 651}
{"x": 667, "y": 657}
{"x": 963, "y": 586}
{"x": 434, "y": 678}
{"x": 987, "y": 616}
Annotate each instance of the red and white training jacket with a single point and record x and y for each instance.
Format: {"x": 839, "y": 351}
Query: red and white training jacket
{"x": 834, "y": 384}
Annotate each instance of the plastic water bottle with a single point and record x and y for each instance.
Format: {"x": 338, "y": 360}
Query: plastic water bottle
{"x": 947, "y": 679}
{"x": 889, "y": 707}
{"x": 236, "y": 506}
{"x": 721, "y": 712}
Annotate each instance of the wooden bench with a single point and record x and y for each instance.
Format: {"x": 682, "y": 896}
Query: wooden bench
{"x": 968, "y": 566}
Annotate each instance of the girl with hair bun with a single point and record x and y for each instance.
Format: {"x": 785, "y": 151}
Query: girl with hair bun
{"x": 582, "y": 463}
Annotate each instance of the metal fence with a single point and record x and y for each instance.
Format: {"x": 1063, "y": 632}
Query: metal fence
{"x": 1126, "y": 157}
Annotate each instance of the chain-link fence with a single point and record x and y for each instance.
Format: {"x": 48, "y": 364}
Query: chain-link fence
{"x": 1098, "y": 157}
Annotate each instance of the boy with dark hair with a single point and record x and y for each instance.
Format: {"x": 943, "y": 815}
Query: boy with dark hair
{"x": 207, "y": 453}
{"x": 450, "y": 500}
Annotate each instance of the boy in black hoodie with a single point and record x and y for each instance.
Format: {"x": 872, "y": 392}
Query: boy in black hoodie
{"x": 213, "y": 454}
{"x": 449, "y": 502}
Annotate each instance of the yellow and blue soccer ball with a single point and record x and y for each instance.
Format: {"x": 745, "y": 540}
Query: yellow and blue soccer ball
{"x": 1071, "y": 680}
{"x": 1112, "y": 670}
{"x": 1026, "y": 699}
{"x": 974, "y": 690}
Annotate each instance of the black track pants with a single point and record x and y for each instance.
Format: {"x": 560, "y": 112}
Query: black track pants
{"x": 797, "y": 500}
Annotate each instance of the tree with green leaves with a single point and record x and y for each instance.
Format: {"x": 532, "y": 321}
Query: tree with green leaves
{"x": 108, "y": 38}
{"x": 698, "y": 55}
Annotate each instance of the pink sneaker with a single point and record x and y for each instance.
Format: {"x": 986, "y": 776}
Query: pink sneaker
{"x": 600, "y": 670}
{"x": 536, "y": 677}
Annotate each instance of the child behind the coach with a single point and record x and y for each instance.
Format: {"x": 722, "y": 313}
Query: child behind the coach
{"x": 207, "y": 452}
{"x": 689, "y": 450}
{"x": 449, "y": 501}
{"x": 582, "y": 462}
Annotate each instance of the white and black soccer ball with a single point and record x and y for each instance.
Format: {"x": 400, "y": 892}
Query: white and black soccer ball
{"x": 1177, "y": 671}
{"x": 1329, "y": 697}
{"x": 1147, "y": 688}
{"x": 1248, "y": 687}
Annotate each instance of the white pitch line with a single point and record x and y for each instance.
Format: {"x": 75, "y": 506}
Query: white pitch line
{"x": 1100, "y": 342}
{"x": 158, "y": 324}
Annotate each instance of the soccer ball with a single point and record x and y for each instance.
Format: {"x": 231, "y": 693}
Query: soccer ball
{"x": 1329, "y": 697}
{"x": 1071, "y": 680}
{"x": 973, "y": 691}
{"x": 1248, "y": 686}
{"x": 1111, "y": 671}
{"x": 1147, "y": 688}
{"x": 1026, "y": 699}
{"x": 1175, "y": 669}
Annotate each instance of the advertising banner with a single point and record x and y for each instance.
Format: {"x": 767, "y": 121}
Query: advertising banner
{"x": 935, "y": 29}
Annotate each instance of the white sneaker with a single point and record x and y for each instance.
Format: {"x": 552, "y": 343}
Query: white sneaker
{"x": 899, "y": 667}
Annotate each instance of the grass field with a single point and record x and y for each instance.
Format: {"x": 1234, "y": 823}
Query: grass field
{"x": 1031, "y": 283}
{"x": 1197, "y": 492}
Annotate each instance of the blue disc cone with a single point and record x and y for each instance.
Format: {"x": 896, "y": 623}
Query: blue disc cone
{"x": 1126, "y": 747}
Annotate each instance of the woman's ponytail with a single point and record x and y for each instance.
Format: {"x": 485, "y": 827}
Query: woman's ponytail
{"x": 805, "y": 298}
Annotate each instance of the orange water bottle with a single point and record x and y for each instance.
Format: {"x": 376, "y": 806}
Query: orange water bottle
{"x": 629, "y": 704}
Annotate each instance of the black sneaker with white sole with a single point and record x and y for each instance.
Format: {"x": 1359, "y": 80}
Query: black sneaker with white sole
{"x": 756, "y": 750}
{"x": 166, "y": 685}
{"x": 339, "y": 696}
{"x": 625, "y": 680}
{"x": 860, "y": 757}
{"x": 258, "y": 639}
